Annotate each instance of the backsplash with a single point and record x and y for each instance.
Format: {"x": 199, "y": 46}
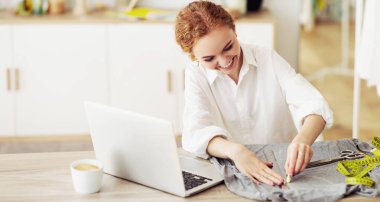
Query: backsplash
{"x": 12, "y": 4}
{"x": 163, "y": 4}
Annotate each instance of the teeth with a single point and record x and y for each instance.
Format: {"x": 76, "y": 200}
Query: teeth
{"x": 228, "y": 65}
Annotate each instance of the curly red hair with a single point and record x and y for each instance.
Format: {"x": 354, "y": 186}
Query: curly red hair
{"x": 197, "y": 20}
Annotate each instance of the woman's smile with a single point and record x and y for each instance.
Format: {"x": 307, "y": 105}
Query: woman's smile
{"x": 230, "y": 65}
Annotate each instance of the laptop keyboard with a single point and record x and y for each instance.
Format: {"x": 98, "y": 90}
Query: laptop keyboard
{"x": 192, "y": 180}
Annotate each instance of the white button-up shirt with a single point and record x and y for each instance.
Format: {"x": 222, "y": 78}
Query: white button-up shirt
{"x": 267, "y": 105}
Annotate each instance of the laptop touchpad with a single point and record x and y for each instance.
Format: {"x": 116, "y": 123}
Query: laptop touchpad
{"x": 190, "y": 164}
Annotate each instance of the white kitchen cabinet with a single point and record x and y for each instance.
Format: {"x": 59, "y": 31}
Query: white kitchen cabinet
{"x": 48, "y": 70}
{"x": 146, "y": 70}
{"x": 7, "y": 104}
{"x": 59, "y": 66}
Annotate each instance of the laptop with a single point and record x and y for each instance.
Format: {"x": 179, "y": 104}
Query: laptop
{"x": 142, "y": 149}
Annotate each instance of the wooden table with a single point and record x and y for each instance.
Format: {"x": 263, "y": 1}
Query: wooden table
{"x": 46, "y": 177}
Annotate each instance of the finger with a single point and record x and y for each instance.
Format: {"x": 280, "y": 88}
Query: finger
{"x": 252, "y": 178}
{"x": 273, "y": 176}
{"x": 288, "y": 157}
{"x": 277, "y": 176}
{"x": 293, "y": 158}
{"x": 300, "y": 160}
{"x": 305, "y": 161}
{"x": 263, "y": 179}
{"x": 287, "y": 166}
{"x": 308, "y": 156}
{"x": 269, "y": 164}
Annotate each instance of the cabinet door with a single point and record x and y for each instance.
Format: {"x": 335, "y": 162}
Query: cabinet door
{"x": 144, "y": 71}
{"x": 256, "y": 33}
{"x": 182, "y": 63}
{"x": 59, "y": 67}
{"x": 6, "y": 82}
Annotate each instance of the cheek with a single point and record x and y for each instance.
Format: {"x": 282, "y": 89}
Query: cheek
{"x": 234, "y": 51}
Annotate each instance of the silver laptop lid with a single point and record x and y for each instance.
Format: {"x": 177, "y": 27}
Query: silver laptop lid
{"x": 135, "y": 147}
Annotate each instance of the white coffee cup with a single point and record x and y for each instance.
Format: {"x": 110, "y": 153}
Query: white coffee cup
{"x": 87, "y": 175}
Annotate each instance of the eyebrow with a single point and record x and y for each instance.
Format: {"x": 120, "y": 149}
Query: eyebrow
{"x": 223, "y": 49}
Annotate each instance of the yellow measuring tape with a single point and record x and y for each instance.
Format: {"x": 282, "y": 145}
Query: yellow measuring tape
{"x": 376, "y": 143}
{"x": 357, "y": 170}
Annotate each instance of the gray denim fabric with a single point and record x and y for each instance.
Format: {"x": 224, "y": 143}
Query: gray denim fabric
{"x": 322, "y": 183}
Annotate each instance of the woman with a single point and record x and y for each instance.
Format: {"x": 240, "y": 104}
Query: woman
{"x": 238, "y": 94}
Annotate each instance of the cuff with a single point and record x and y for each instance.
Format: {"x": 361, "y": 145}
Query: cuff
{"x": 315, "y": 107}
{"x": 196, "y": 142}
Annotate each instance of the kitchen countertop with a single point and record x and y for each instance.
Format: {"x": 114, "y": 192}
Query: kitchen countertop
{"x": 107, "y": 17}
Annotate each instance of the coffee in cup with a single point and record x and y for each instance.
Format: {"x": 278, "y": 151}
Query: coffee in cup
{"x": 87, "y": 175}
{"x": 86, "y": 166}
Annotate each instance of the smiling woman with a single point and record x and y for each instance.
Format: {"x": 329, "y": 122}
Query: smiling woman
{"x": 225, "y": 52}
{"x": 214, "y": 36}
{"x": 237, "y": 94}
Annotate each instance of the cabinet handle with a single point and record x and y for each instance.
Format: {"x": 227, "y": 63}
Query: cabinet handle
{"x": 183, "y": 81}
{"x": 169, "y": 81}
{"x": 17, "y": 77}
{"x": 9, "y": 80}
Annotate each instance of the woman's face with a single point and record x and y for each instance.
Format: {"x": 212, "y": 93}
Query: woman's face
{"x": 219, "y": 50}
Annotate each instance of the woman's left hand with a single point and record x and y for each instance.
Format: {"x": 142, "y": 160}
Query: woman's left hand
{"x": 298, "y": 156}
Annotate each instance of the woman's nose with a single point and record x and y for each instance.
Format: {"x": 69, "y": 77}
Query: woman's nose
{"x": 224, "y": 61}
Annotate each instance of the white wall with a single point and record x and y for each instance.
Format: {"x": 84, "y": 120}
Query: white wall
{"x": 286, "y": 14}
{"x": 167, "y": 4}
{"x": 287, "y": 27}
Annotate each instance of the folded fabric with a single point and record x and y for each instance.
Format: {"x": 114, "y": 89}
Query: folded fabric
{"x": 323, "y": 183}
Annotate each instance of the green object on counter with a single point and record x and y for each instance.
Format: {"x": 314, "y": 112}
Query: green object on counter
{"x": 21, "y": 9}
{"x": 148, "y": 14}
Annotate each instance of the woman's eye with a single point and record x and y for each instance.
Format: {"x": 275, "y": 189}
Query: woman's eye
{"x": 228, "y": 48}
{"x": 209, "y": 59}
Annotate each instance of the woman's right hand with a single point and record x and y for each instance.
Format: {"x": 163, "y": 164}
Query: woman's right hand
{"x": 257, "y": 170}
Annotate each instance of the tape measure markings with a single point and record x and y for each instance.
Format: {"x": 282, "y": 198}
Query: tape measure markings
{"x": 376, "y": 142}
{"x": 357, "y": 170}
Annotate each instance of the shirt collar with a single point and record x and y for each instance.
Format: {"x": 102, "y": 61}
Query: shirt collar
{"x": 248, "y": 57}
{"x": 248, "y": 54}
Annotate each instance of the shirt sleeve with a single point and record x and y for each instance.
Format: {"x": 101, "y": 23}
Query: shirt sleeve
{"x": 199, "y": 121}
{"x": 303, "y": 98}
